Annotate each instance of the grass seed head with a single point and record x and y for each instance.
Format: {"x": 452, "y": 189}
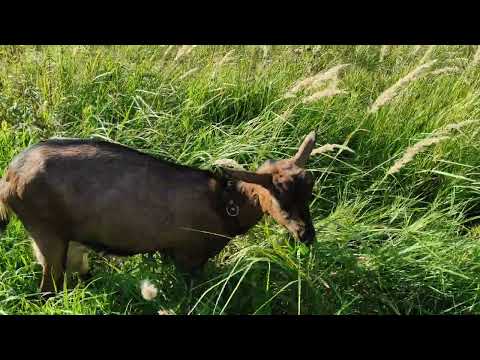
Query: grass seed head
{"x": 312, "y": 83}
{"x": 148, "y": 290}
{"x": 384, "y": 51}
{"x": 416, "y": 49}
{"x": 330, "y": 147}
{"x": 476, "y": 57}
{"x": 394, "y": 90}
{"x": 447, "y": 69}
{"x": 410, "y": 153}
{"x": 427, "y": 54}
{"x": 188, "y": 73}
{"x": 327, "y": 92}
{"x": 184, "y": 51}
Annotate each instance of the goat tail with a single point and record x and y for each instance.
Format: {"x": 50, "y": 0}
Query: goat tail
{"x": 4, "y": 209}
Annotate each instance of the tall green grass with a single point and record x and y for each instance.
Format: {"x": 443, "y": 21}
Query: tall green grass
{"x": 407, "y": 243}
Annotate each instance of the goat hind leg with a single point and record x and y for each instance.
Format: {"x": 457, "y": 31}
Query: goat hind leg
{"x": 51, "y": 252}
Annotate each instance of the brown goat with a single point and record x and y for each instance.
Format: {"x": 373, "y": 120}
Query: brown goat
{"x": 73, "y": 193}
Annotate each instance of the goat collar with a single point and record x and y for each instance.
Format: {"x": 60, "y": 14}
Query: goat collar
{"x": 232, "y": 208}
{"x": 231, "y": 204}
{"x": 231, "y": 197}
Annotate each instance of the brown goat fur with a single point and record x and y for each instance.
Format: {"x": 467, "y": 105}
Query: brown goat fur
{"x": 72, "y": 194}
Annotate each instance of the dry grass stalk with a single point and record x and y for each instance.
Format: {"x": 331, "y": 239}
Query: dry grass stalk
{"x": 315, "y": 81}
{"x": 427, "y": 54}
{"x": 476, "y": 57}
{"x": 184, "y": 51}
{"x": 416, "y": 49}
{"x": 226, "y": 58}
{"x": 297, "y": 50}
{"x": 331, "y": 90}
{"x": 435, "y": 138}
{"x": 188, "y": 73}
{"x": 169, "y": 48}
{"x": 444, "y": 70}
{"x": 229, "y": 163}
{"x": 383, "y": 51}
{"x": 410, "y": 153}
{"x": 329, "y": 75}
{"x": 148, "y": 290}
{"x": 265, "y": 50}
{"x": 455, "y": 127}
{"x": 330, "y": 147}
{"x": 287, "y": 113}
{"x": 393, "y": 90}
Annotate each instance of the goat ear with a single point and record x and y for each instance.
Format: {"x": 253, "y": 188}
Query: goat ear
{"x": 303, "y": 153}
{"x": 250, "y": 177}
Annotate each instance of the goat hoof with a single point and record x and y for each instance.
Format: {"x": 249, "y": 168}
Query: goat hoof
{"x": 87, "y": 276}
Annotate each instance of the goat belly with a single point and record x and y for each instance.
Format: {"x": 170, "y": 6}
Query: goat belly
{"x": 140, "y": 212}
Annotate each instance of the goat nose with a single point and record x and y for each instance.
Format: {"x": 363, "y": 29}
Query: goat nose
{"x": 308, "y": 236}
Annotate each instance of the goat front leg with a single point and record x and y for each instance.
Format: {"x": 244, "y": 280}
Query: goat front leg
{"x": 190, "y": 262}
{"x": 77, "y": 260}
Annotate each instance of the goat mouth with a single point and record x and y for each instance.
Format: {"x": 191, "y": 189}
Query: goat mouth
{"x": 305, "y": 238}
{"x": 308, "y": 236}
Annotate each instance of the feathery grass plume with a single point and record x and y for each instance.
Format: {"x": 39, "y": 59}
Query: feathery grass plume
{"x": 455, "y": 127}
{"x": 436, "y": 137}
{"x": 476, "y": 57}
{"x": 184, "y": 51}
{"x": 393, "y": 90}
{"x": 265, "y": 49}
{"x": 444, "y": 70}
{"x": 188, "y": 73}
{"x": 329, "y": 75}
{"x": 148, "y": 290}
{"x": 169, "y": 48}
{"x": 416, "y": 49}
{"x": 287, "y": 113}
{"x": 226, "y": 58}
{"x": 330, "y": 147}
{"x": 316, "y": 49}
{"x": 383, "y": 51}
{"x": 410, "y": 153}
{"x": 297, "y": 50}
{"x": 327, "y": 92}
{"x": 229, "y": 163}
{"x": 427, "y": 54}
{"x": 315, "y": 81}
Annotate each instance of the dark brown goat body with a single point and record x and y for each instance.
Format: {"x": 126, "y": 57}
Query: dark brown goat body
{"x": 110, "y": 197}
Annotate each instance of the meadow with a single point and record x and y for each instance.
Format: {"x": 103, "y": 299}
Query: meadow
{"x": 397, "y": 171}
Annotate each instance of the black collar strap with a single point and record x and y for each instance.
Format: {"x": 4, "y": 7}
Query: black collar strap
{"x": 231, "y": 198}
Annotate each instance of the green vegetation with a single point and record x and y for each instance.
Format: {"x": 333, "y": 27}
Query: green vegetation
{"x": 400, "y": 243}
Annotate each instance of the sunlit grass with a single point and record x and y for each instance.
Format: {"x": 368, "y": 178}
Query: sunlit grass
{"x": 406, "y": 243}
